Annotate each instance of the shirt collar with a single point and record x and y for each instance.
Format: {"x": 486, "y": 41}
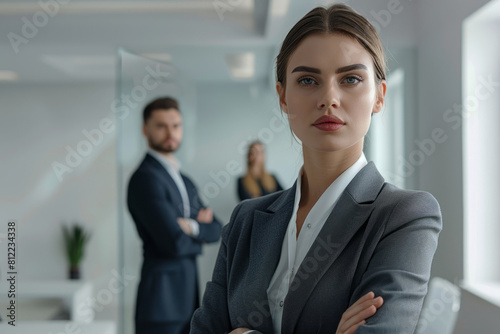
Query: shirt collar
{"x": 171, "y": 163}
{"x": 329, "y": 198}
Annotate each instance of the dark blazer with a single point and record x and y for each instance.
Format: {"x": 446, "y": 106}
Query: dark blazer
{"x": 377, "y": 238}
{"x": 168, "y": 290}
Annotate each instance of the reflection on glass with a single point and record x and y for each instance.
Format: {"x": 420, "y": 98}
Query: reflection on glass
{"x": 139, "y": 81}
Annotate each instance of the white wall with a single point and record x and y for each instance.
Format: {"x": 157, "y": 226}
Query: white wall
{"x": 37, "y": 124}
{"x": 481, "y": 138}
{"x": 395, "y": 20}
{"x": 439, "y": 89}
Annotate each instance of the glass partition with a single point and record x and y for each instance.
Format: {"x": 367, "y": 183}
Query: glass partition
{"x": 139, "y": 81}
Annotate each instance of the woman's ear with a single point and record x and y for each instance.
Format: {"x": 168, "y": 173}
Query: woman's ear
{"x": 281, "y": 94}
{"x": 380, "y": 99}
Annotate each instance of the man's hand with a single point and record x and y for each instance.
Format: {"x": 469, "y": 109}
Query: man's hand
{"x": 185, "y": 225}
{"x": 356, "y": 315}
{"x": 205, "y": 216}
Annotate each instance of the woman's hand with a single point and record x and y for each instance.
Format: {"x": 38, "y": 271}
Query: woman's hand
{"x": 239, "y": 331}
{"x": 356, "y": 315}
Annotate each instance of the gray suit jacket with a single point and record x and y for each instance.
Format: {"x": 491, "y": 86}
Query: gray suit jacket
{"x": 378, "y": 238}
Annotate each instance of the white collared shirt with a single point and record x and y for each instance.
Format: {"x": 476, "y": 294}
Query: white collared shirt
{"x": 294, "y": 250}
{"x": 173, "y": 169}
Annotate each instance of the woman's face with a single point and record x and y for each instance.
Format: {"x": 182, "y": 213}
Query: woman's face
{"x": 256, "y": 155}
{"x": 330, "y": 93}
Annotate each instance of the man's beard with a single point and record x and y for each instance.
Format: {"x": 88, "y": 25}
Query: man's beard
{"x": 161, "y": 148}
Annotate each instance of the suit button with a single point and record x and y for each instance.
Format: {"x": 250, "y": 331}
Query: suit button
{"x": 308, "y": 225}
{"x": 281, "y": 303}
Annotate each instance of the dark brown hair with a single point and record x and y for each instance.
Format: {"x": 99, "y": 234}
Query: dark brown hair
{"x": 161, "y": 103}
{"x": 340, "y": 19}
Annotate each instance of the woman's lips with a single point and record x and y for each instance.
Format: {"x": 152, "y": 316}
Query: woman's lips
{"x": 328, "y": 123}
{"x": 328, "y": 126}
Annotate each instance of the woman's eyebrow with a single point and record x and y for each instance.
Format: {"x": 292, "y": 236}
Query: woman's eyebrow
{"x": 339, "y": 70}
{"x": 307, "y": 69}
{"x": 351, "y": 68}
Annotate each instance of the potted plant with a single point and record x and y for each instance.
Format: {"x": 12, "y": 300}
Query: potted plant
{"x": 75, "y": 238}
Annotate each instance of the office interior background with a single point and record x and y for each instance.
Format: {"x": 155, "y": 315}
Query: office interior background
{"x": 75, "y": 75}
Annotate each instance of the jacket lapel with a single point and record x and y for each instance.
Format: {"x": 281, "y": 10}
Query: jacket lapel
{"x": 351, "y": 211}
{"x": 174, "y": 192}
{"x": 268, "y": 230}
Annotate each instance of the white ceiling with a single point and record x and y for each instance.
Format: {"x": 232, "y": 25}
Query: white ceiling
{"x": 79, "y": 43}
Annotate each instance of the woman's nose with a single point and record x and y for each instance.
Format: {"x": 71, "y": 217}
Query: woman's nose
{"x": 330, "y": 97}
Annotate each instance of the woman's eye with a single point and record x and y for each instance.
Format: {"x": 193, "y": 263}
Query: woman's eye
{"x": 352, "y": 80}
{"x": 307, "y": 81}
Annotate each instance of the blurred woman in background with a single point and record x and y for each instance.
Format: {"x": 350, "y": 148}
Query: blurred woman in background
{"x": 257, "y": 181}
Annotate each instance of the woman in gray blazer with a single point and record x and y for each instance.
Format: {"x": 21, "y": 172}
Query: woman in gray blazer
{"x": 311, "y": 259}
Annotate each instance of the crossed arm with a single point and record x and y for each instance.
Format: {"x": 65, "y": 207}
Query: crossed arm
{"x": 354, "y": 317}
{"x": 397, "y": 271}
{"x": 149, "y": 205}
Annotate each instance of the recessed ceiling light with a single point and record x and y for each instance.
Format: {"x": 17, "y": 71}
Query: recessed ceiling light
{"x": 241, "y": 65}
{"x": 8, "y": 76}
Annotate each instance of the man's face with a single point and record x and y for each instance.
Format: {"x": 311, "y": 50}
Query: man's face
{"x": 163, "y": 130}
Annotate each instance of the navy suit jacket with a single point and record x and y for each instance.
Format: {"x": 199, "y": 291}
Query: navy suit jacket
{"x": 377, "y": 238}
{"x": 168, "y": 291}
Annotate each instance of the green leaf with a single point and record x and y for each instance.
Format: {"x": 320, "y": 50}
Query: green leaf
{"x": 75, "y": 239}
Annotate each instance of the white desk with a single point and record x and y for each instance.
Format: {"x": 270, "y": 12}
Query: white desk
{"x": 489, "y": 291}
{"x": 59, "y": 327}
{"x": 75, "y": 294}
